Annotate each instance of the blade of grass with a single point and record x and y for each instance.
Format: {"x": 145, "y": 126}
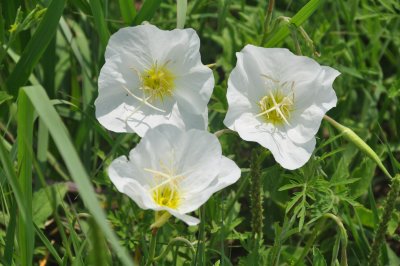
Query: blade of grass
{"x": 26, "y": 236}
{"x": 298, "y": 19}
{"x": 128, "y": 11}
{"x": 147, "y": 11}
{"x": 99, "y": 21}
{"x": 61, "y": 137}
{"x": 181, "y": 9}
{"x": 10, "y": 235}
{"x": 11, "y": 176}
{"x": 36, "y": 47}
{"x": 48, "y": 244}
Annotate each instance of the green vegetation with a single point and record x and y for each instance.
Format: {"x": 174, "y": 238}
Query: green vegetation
{"x": 58, "y": 206}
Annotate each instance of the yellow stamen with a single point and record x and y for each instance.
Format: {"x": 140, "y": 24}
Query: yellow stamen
{"x": 158, "y": 82}
{"x": 167, "y": 195}
{"x": 276, "y": 108}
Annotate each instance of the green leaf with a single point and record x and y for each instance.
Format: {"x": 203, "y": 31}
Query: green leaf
{"x": 364, "y": 172}
{"x": 147, "y": 11}
{"x": 290, "y": 186}
{"x": 35, "y": 47}
{"x": 61, "y": 138}
{"x": 298, "y": 19}
{"x": 43, "y": 201}
{"x": 318, "y": 258}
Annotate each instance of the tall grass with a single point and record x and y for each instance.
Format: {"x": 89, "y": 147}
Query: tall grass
{"x": 58, "y": 207}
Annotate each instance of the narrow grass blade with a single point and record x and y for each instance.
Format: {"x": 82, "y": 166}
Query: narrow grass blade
{"x": 11, "y": 176}
{"x": 25, "y": 145}
{"x": 181, "y": 9}
{"x": 128, "y": 11}
{"x": 147, "y": 11}
{"x": 99, "y": 21}
{"x": 298, "y": 19}
{"x": 10, "y": 235}
{"x": 48, "y": 244}
{"x": 36, "y": 46}
{"x": 61, "y": 137}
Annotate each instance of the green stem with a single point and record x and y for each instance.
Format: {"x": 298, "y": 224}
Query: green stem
{"x": 343, "y": 237}
{"x": 293, "y": 32}
{"x": 310, "y": 242}
{"x": 267, "y": 21}
{"x": 153, "y": 244}
{"x": 173, "y": 242}
{"x": 256, "y": 196}
{"x": 360, "y": 144}
{"x": 388, "y": 209}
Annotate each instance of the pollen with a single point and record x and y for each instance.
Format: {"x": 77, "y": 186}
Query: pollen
{"x": 158, "y": 82}
{"x": 276, "y": 108}
{"x": 167, "y": 196}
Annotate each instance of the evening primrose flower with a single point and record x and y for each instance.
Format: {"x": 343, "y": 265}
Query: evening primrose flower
{"x": 153, "y": 77}
{"x": 174, "y": 170}
{"x": 278, "y": 99}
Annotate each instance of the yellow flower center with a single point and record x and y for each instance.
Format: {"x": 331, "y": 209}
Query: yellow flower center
{"x": 276, "y": 107}
{"x": 167, "y": 196}
{"x": 158, "y": 82}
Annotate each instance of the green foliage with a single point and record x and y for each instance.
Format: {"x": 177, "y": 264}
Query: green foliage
{"x": 58, "y": 205}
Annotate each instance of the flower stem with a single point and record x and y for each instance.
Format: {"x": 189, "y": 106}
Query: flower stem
{"x": 317, "y": 229}
{"x": 174, "y": 241}
{"x": 267, "y": 21}
{"x": 360, "y": 144}
{"x": 256, "y": 198}
{"x": 343, "y": 237}
{"x": 383, "y": 223}
{"x": 153, "y": 244}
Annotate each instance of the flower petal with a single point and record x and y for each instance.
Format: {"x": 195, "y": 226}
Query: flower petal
{"x": 287, "y": 153}
{"x": 229, "y": 174}
{"x": 129, "y": 181}
{"x": 189, "y": 220}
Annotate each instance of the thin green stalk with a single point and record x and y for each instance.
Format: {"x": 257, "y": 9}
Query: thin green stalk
{"x": 200, "y": 252}
{"x": 267, "y": 21}
{"x": 293, "y": 32}
{"x": 388, "y": 210}
{"x": 343, "y": 237}
{"x": 173, "y": 242}
{"x": 318, "y": 228}
{"x": 153, "y": 245}
{"x": 256, "y": 199}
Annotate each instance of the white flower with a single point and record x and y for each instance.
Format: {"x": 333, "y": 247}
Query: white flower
{"x": 174, "y": 170}
{"x": 278, "y": 99}
{"x": 153, "y": 77}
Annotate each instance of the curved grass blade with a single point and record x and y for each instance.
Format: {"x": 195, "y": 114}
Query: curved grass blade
{"x": 60, "y": 135}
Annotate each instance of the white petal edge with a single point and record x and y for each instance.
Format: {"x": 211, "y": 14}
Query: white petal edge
{"x": 229, "y": 174}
